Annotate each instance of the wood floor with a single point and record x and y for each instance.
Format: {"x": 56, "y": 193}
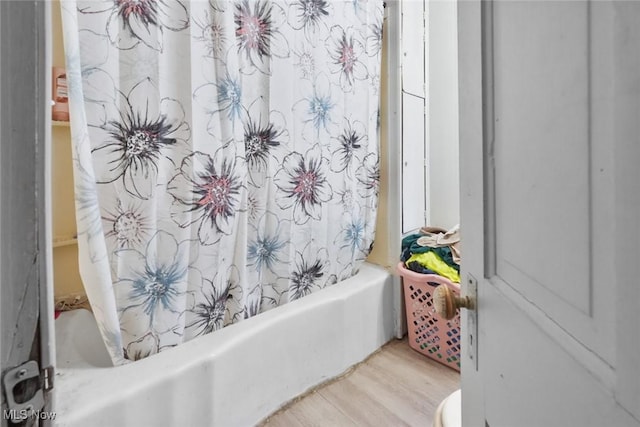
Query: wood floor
{"x": 395, "y": 387}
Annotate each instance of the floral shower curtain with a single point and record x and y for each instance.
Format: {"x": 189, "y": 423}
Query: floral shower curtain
{"x": 225, "y": 157}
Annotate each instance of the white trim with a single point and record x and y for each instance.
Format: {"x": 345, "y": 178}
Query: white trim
{"x": 47, "y": 329}
{"x": 394, "y": 153}
{"x": 426, "y": 16}
{"x": 471, "y": 213}
{"x": 627, "y": 204}
{"x": 2, "y": 398}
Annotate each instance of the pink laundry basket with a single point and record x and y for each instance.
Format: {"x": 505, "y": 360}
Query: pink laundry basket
{"x": 430, "y": 334}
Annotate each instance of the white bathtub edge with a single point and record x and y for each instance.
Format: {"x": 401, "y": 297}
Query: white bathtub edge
{"x": 241, "y": 374}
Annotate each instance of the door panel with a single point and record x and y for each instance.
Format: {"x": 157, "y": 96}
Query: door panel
{"x": 546, "y": 143}
{"x": 543, "y": 79}
{"x": 547, "y": 160}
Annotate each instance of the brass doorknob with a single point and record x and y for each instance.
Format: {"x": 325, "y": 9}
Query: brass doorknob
{"x": 446, "y": 302}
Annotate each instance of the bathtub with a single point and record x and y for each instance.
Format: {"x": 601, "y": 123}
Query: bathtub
{"x": 233, "y": 377}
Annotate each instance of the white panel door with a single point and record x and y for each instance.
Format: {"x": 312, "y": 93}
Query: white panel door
{"x": 548, "y": 92}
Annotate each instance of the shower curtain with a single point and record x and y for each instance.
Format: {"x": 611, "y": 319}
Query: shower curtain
{"x": 225, "y": 157}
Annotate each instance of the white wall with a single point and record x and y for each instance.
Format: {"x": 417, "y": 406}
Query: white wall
{"x": 443, "y": 181}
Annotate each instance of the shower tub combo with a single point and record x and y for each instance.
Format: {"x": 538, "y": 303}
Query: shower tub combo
{"x": 235, "y": 376}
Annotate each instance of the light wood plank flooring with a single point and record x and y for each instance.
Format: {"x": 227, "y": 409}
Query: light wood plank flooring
{"x": 396, "y": 386}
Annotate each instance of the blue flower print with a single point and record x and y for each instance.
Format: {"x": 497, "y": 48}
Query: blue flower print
{"x": 267, "y": 244}
{"x": 153, "y": 283}
{"x": 222, "y": 102}
{"x": 360, "y": 8}
{"x": 318, "y": 109}
{"x": 157, "y": 287}
{"x": 352, "y": 233}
